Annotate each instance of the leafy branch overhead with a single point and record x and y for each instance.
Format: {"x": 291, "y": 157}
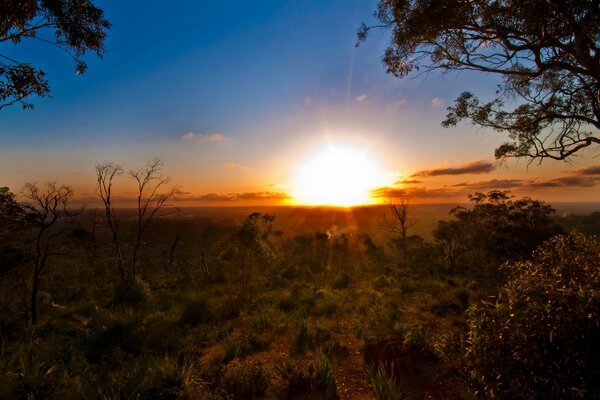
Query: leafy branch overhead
{"x": 74, "y": 26}
{"x": 546, "y": 52}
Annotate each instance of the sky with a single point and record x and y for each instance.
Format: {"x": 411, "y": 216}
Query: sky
{"x": 252, "y": 103}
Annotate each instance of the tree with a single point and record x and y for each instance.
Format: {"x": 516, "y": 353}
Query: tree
{"x": 148, "y": 203}
{"x": 399, "y": 223}
{"x": 450, "y": 238}
{"x": 503, "y": 229}
{"x": 539, "y": 340}
{"x": 546, "y": 52}
{"x": 74, "y": 26}
{"x": 46, "y": 210}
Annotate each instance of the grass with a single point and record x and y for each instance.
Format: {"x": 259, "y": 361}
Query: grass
{"x": 384, "y": 382}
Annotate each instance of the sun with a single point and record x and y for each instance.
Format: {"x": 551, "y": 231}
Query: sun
{"x": 337, "y": 175}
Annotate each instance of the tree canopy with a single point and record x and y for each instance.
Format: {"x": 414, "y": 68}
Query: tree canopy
{"x": 546, "y": 52}
{"x": 74, "y": 26}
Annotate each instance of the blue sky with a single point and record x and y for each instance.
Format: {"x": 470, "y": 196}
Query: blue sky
{"x": 274, "y": 79}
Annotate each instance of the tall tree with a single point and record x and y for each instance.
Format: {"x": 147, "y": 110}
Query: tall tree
{"x": 47, "y": 209}
{"x": 149, "y": 201}
{"x": 547, "y": 53}
{"x": 398, "y": 223}
{"x": 74, "y": 26}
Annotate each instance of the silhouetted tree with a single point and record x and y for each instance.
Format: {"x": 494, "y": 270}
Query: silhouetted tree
{"x": 546, "y": 52}
{"x": 398, "y": 223}
{"x": 450, "y": 238}
{"x": 74, "y": 26}
{"x": 13, "y": 257}
{"x": 46, "y": 209}
{"x": 148, "y": 203}
{"x": 500, "y": 228}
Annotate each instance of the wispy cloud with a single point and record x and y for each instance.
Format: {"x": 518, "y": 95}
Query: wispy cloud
{"x": 594, "y": 170}
{"x": 414, "y": 192}
{"x": 475, "y": 167}
{"x": 203, "y": 137}
{"x": 232, "y": 165}
{"x": 246, "y": 196}
{"x": 407, "y": 181}
{"x": 493, "y": 184}
{"x": 565, "y": 181}
{"x": 437, "y": 102}
{"x": 400, "y": 103}
{"x": 562, "y": 182}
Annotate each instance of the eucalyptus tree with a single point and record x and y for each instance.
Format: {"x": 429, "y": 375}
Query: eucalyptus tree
{"x": 546, "y": 52}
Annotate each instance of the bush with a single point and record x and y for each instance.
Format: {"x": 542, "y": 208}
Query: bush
{"x": 327, "y": 384}
{"x": 197, "y": 312}
{"x": 296, "y": 377}
{"x": 135, "y": 294}
{"x": 540, "y": 339}
{"x": 244, "y": 380}
{"x": 383, "y": 381}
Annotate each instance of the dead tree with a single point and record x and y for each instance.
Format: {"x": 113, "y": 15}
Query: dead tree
{"x": 149, "y": 202}
{"x": 398, "y": 223}
{"x": 46, "y": 209}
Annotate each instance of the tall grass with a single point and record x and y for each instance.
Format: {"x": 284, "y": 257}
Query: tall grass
{"x": 384, "y": 382}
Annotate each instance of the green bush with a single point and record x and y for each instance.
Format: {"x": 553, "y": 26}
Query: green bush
{"x": 327, "y": 384}
{"x": 540, "y": 339}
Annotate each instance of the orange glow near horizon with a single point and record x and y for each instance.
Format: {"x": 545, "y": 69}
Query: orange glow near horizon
{"x": 338, "y": 175}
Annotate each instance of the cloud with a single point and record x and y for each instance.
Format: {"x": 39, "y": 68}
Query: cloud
{"x": 400, "y": 103}
{"x": 498, "y": 184}
{"x": 565, "y": 181}
{"x": 414, "y": 192}
{"x": 203, "y": 137}
{"x": 493, "y": 184}
{"x": 232, "y": 165}
{"x": 437, "y": 102}
{"x": 360, "y": 98}
{"x": 475, "y": 167}
{"x": 594, "y": 170}
{"x": 239, "y": 196}
{"x": 407, "y": 181}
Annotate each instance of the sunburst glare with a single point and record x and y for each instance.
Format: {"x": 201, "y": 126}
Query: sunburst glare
{"x": 338, "y": 175}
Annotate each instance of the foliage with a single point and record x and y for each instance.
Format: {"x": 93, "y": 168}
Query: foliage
{"x": 326, "y": 375}
{"x": 540, "y": 338}
{"x": 384, "y": 382}
{"x": 73, "y": 26}
{"x": 547, "y": 54}
{"x": 298, "y": 378}
{"x": 499, "y": 227}
{"x": 245, "y": 379}
{"x": 449, "y": 236}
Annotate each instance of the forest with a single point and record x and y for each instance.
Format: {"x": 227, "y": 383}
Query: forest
{"x": 111, "y": 303}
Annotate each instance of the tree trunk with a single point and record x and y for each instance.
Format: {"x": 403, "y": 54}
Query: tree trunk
{"x": 34, "y": 296}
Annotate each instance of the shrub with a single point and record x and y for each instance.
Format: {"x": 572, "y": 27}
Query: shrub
{"x": 135, "y": 294}
{"x": 383, "y": 381}
{"x": 540, "y": 339}
{"x": 197, "y": 311}
{"x": 244, "y": 380}
{"x": 327, "y": 384}
{"x": 342, "y": 281}
{"x": 296, "y": 378}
